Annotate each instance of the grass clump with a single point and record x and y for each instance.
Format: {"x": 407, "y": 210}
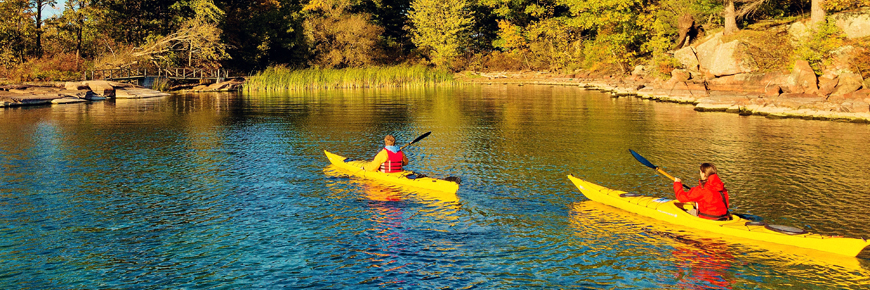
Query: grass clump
{"x": 288, "y": 79}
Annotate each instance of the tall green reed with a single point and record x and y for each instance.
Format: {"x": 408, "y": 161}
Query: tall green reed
{"x": 287, "y": 79}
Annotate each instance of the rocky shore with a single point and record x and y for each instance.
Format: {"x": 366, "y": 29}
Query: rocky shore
{"x": 746, "y": 94}
{"x": 71, "y": 92}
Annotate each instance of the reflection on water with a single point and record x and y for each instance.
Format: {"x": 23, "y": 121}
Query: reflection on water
{"x": 233, "y": 191}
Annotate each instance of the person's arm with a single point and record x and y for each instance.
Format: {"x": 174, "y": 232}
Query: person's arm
{"x": 375, "y": 164}
{"x": 682, "y": 196}
{"x": 693, "y": 194}
{"x": 404, "y": 159}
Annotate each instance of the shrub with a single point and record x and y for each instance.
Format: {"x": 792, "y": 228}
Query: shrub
{"x": 815, "y": 50}
{"x": 57, "y": 67}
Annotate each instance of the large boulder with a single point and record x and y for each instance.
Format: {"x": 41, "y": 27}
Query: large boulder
{"x": 799, "y": 32}
{"x": 102, "y": 88}
{"x": 855, "y": 24}
{"x": 827, "y": 85}
{"x": 847, "y": 83}
{"x": 74, "y": 86}
{"x": 802, "y": 79}
{"x": 687, "y": 57}
{"x": 721, "y": 59}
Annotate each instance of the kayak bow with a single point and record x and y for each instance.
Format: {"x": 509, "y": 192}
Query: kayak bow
{"x": 671, "y": 211}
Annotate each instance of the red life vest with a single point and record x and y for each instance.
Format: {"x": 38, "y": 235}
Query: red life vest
{"x": 393, "y": 163}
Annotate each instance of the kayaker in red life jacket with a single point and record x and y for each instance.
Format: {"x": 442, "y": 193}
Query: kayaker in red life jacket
{"x": 710, "y": 195}
{"x": 390, "y": 159}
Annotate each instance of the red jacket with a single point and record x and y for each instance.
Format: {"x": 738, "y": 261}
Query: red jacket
{"x": 711, "y": 196}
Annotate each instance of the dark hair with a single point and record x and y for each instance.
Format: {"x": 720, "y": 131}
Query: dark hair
{"x": 708, "y": 169}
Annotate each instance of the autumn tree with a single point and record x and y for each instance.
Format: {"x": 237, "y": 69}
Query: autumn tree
{"x": 441, "y": 27}
{"x": 196, "y": 42}
{"x": 340, "y": 38}
{"x": 15, "y": 31}
{"x": 75, "y": 24}
{"x": 615, "y": 28}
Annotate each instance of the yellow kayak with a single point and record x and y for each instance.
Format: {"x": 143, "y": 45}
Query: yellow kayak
{"x": 672, "y": 211}
{"x": 405, "y": 178}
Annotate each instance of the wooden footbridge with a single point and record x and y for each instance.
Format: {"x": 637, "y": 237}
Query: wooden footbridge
{"x": 145, "y": 77}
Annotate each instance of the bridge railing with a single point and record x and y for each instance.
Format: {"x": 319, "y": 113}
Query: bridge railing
{"x": 169, "y": 73}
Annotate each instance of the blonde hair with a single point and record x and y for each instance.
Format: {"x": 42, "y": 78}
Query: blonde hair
{"x": 708, "y": 169}
{"x": 390, "y": 140}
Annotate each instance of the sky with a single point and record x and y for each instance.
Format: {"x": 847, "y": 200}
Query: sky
{"x": 56, "y": 10}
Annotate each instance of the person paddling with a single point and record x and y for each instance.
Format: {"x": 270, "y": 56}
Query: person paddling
{"x": 710, "y": 195}
{"x": 390, "y": 159}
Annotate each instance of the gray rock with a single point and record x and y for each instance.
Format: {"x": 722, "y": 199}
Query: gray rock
{"x": 639, "y": 70}
{"x": 799, "y": 32}
{"x": 687, "y": 57}
{"x": 855, "y": 24}
{"x": 721, "y": 59}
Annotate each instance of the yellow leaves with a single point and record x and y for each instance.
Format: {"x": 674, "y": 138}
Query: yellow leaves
{"x": 511, "y": 35}
{"x": 840, "y": 5}
{"x": 315, "y": 5}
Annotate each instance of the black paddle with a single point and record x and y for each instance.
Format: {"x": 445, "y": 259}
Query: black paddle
{"x": 416, "y": 140}
{"x": 650, "y": 165}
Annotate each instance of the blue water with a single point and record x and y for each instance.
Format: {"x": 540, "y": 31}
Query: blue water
{"x": 233, "y": 191}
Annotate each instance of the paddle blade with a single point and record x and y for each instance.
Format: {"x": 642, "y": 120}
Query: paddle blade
{"x": 416, "y": 139}
{"x": 420, "y": 137}
{"x": 642, "y": 160}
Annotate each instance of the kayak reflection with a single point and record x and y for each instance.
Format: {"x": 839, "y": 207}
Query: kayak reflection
{"x": 702, "y": 263}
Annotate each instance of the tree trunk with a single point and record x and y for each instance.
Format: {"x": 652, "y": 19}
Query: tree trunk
{"x": 38, "y": 7}
{"x": 730, "y": 18}
{"x": 817, "y": 13}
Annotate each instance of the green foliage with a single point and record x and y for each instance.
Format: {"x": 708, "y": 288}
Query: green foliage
{"x": 441, "y": 27}
{"x": 618, "y": 27}
{"x": 340, "y": 38}
{"x": 262, "y": 32}
{"x": 554, "y": 44}
{"x": 819, "y": 44}
{"x": 282, "y": 78}
{"x": 16, "y": 33}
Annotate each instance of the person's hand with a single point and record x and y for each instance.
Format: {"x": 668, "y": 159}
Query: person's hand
{"x": 677, "y": 179}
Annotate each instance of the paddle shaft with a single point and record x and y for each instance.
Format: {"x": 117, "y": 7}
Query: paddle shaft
{"x": 671, "y": 177}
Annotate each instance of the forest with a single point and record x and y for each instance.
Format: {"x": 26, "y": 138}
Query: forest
{"x": 249, "y": 36}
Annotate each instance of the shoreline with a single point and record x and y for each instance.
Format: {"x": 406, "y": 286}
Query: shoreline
{"x": 704, "y": 96}
{"x": 745, "y": 100}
